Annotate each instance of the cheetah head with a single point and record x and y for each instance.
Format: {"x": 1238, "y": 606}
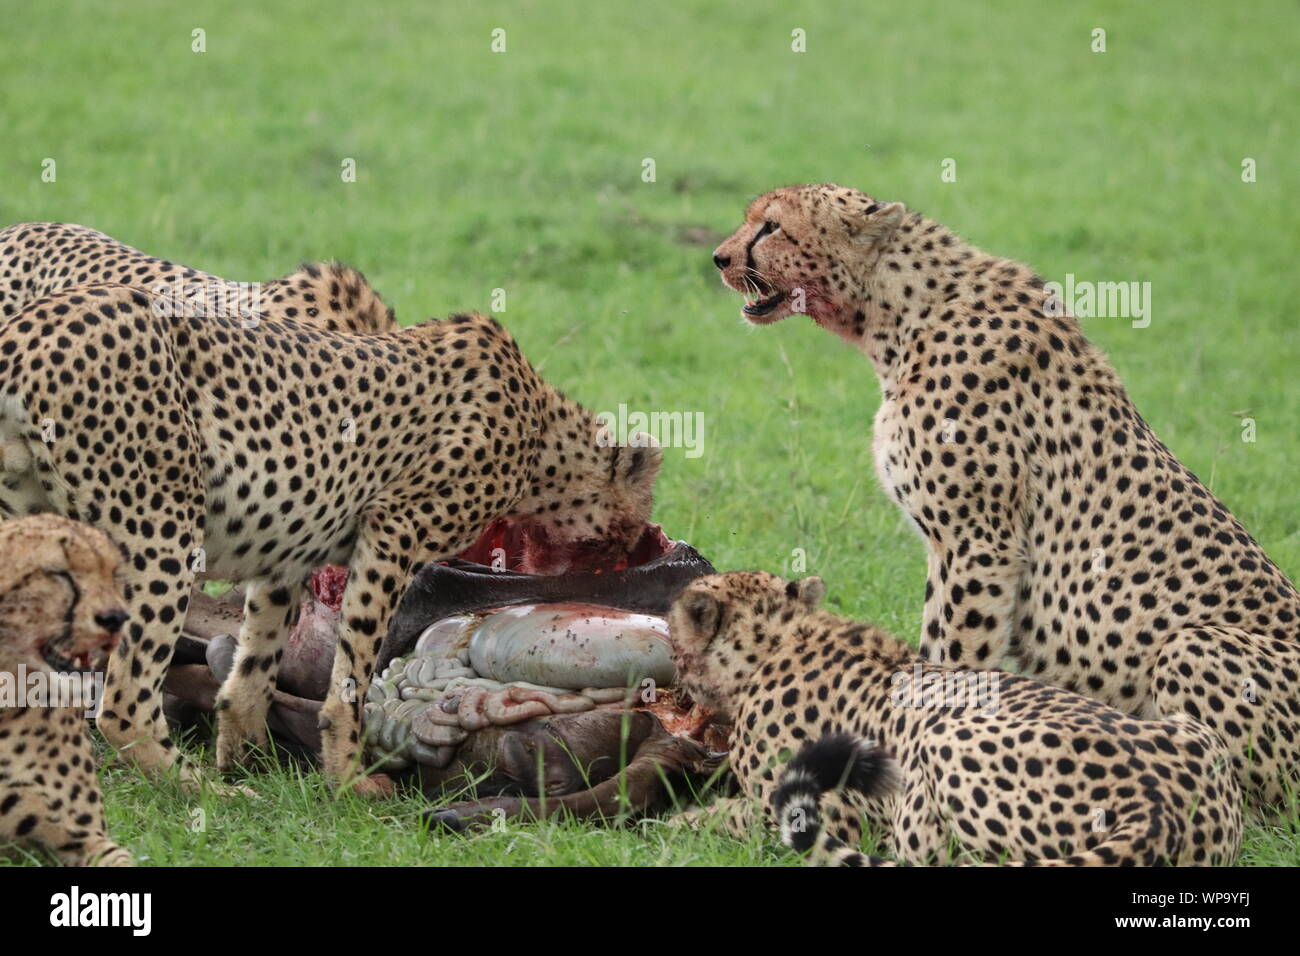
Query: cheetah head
{"x": 721, "y": 627}
{"x": 806, "y": 249}
{"x": 593, "y": 515}
{"x": 61, "y": 601}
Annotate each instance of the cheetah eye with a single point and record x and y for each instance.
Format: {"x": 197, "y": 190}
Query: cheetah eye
{"x": 64, "y": 575}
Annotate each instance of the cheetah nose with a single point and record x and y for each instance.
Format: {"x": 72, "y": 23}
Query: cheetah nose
{"x": 721, "y": 261}
{"x": 111, "y": 621}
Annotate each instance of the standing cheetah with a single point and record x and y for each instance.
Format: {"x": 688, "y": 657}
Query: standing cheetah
{"x": 267, "y": 451}
{"x": 40, "y": 258}
{"x": 1002, "y": 767}
{"x": 1059, "y": 530}
{"x": 61, "y": 608}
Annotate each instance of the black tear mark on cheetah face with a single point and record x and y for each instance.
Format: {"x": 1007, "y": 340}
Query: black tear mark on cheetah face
{"x": 61, "y": 601}
{"x": 799, "y": 249}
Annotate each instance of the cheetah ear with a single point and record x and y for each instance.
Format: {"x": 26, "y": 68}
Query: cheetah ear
{"x": 874, "y": 223}
{"x": 641, "y": 459}
{"x": 808, "y": 591}
{"x": 703, "y": 611}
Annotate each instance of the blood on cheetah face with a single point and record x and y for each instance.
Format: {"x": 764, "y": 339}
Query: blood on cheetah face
{"x": 718, "y": 624}
{"x": 598, "y": 527}
{"x": 795, "y": 251}
{"x": 61, "y": 601}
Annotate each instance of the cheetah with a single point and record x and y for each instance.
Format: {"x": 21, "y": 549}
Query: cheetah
{"x": 38, "y": 259}
{"x": 61, "y": 611}
{"x": 961, "y": 763}
{"x": 1061, "y": 534}
{"x": 260, "y": 453}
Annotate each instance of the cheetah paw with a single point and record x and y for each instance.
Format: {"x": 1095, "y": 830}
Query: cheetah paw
{"x": 194, "y": 782}
{"x": 240, "y": 744}
{"x": 110, "y": 854}
{"x": 373, "y": 787}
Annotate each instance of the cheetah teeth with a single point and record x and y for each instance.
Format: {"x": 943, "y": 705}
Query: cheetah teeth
{"x": 763, "y": 306}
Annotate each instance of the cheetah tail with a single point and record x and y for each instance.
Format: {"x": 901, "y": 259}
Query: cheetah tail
{"x": 835, "y": 761}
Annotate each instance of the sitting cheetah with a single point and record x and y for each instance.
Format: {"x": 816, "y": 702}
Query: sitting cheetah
{"x": 1060, "y": 531}
{"x": 267, "y": 451}
{"x": 40, "y": 258}
{"x": 61, "y": 607}
{"x": 1005, "y": 767}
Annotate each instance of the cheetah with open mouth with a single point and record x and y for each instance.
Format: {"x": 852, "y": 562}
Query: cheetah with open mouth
{"x": 1060, "y": 531}
{"x": 61, "y": 612}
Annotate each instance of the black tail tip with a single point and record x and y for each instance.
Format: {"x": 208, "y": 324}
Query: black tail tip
{"x": 843, "y": 760}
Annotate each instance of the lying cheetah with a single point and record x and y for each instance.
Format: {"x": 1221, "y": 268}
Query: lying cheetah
{"x": 267, "y": 451}
{"x": 40, "y": 258}
{"x": 1002, "y": 766}
{"x": 1060, "y": 531}
{"x": 61, "y": 608}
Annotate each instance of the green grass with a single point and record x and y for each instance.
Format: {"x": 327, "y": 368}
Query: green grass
{"x": 522, "y": 171}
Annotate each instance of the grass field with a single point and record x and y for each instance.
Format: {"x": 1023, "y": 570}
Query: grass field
{"x": 522, "y": 171}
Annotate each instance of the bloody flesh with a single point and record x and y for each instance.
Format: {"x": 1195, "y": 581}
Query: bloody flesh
{"x": 500, "y": 539}
{"x": 503, "y": 547}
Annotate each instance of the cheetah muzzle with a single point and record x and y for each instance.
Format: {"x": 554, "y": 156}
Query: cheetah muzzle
{"x": 61, "y": 605}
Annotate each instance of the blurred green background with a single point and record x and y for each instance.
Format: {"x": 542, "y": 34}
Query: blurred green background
{"x": 522, "y": 171}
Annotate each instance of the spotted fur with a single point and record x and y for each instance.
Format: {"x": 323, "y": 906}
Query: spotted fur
{"x": 960, "y": 765}
{"x": 61, "y": 609}
{"x": 1061, "y": 533}
{"x": 267, "y": 451}
{"x": 38, "y": 259}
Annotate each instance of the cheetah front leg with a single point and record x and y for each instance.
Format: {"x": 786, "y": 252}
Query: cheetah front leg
{"x": 967, "y": 497}
{"x": 155, "y": 513}
{"x": 970, "y": 604}
{"x": 270, "y": 610}
{"x": 378, "y": 573}
{"x": 131, "y": 718}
